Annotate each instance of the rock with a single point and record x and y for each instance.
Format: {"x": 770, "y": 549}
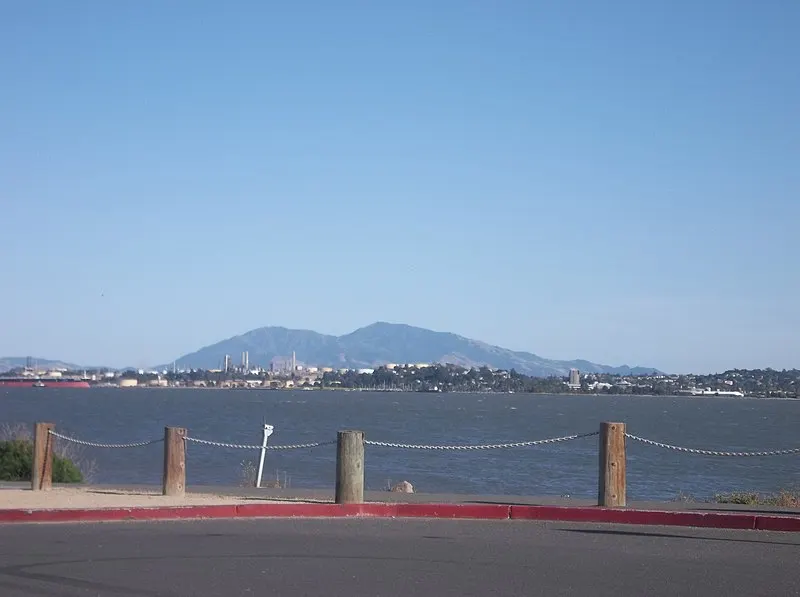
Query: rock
{"x": 403, "y": 487}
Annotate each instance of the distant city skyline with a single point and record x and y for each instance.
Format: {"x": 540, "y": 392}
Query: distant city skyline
{"x": 616, "y": 183}
{"x": 288, "y": 359}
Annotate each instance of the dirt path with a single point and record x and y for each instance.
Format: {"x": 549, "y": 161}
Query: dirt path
{"x": 63, "y": 497}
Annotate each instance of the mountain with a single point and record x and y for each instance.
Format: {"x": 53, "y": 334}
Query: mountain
{"x": 382, "y": 343}
{"x": 8, "y": 363}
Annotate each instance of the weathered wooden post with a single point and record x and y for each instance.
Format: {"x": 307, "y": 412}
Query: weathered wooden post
{"x": 350, "y": 467}
{"x": 42, "y": 473}
{"x": 174, "y": 461}
{"x": 612, "y": 488}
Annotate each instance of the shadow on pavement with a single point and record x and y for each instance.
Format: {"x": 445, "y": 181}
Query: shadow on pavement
{"x": 613, "y": 532}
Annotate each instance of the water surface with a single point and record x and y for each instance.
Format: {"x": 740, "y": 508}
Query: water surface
{"x": 126, "y": 415}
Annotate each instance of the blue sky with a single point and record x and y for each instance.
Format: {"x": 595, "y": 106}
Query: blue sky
{"x": 582, "y": 180}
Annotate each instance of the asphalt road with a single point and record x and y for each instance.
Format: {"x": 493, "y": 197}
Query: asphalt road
{"x": 385, "y": 557}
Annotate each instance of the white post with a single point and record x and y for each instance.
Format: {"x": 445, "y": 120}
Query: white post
{"x": 267, "y": 432}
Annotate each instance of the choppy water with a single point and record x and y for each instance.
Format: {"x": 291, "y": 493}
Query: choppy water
{"x": 114, "y": 415}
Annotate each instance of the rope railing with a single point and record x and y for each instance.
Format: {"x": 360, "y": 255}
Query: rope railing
{"x": 208, "y": 442}
{"x": 81, "y": 442}
{"x": 702, "y": 452}
{"x": 467, "y": 447}
{"x": 350, "y": 456}
{"x": 436, "y": 447}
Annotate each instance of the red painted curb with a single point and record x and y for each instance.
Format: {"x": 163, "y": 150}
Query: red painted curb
{"x": 315, "y": 510}
{"x": 115, "y": 514}
{"x": 481, "y": 511}
{"x": 778, "y": 523}
{"x": 718, "y": 520}
{"x": 641, "y": 517}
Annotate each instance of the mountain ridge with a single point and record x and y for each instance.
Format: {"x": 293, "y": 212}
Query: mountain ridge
{"x": 383, "y": 342}
{"x": 9, "y": 363}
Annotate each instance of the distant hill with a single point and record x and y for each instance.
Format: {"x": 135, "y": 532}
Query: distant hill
{"x": 8, "y": 363}
{"x": 382, "y": 343}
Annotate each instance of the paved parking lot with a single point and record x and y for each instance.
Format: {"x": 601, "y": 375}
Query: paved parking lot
{"x": 391, "y": 557}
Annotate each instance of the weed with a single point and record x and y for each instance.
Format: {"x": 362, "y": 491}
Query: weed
{"x": 785, "y": 498}
{"x": 247, "y": 473}
{"x": 249, "y": 476}
{"x": 684, "y": 498}
{"x": 62, "y": 449}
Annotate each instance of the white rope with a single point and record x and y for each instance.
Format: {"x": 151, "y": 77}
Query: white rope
{"x": 711, "y": 452}
{"x": 435, "y": 447}
{"x": 99, "y": 445}
{"x": 538, "y": 442}
{"x": 259, "y": 447}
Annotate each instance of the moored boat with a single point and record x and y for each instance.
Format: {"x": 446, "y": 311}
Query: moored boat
{"x": 43, "y": 382}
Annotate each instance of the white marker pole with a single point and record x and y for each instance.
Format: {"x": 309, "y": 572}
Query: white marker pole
{"x": 267, "y": 432}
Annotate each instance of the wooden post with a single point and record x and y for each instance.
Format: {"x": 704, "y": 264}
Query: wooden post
{"x": 174, "y": 461}
{"x": 350, "y": 467}
{"x": 612, "y": 485}
{"x": 42, "y": 473}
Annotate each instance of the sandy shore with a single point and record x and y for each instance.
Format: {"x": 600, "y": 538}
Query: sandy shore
{"x": 86, "y": 497}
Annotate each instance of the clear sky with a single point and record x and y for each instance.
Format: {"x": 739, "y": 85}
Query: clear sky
{"x": 612, "y": 181}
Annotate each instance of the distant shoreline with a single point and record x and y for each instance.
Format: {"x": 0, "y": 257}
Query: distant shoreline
{"x": 380, "y": 391}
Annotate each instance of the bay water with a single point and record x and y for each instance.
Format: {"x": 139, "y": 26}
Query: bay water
{"x": 111, "y": 415}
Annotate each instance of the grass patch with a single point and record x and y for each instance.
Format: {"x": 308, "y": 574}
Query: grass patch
{"x": 16, "y": 457}
{"x": 785, "y": 498}
{"x": 16, "y": 464}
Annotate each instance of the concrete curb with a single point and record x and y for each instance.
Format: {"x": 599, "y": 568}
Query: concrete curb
{"x": 716, "y": 520}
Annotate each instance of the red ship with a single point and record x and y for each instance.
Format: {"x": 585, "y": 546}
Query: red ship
{"x": 43, "y": 382}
